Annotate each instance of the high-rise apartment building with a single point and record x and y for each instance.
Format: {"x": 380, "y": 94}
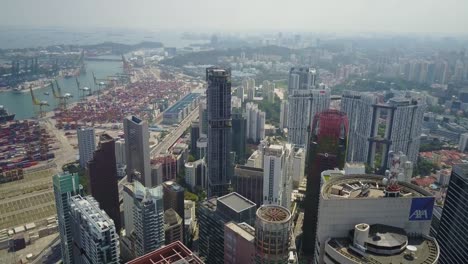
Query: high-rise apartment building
{"x": 374, "y": 219}
{"x": 239, "y": 245}
{"x": 284, "y": 114}
{"x": 102, "y": 174}
{"x": 272, "y": 234}
{"x": 240, "y": 93}
{"x": 301, "y": 79}
{"x": 401, "y": 131}
{"x": 95, "y": 239}
{"x": 86, "y": 144}
{"x": 137, "y": 151}
{"x": 302, "y": 107}
{"x": 66, "y": 185}
{"x": 326, "y": 150}
{"x": 255, "y": 122}
{"x": 277, "y": 180}
{"x": 452, "y": 233}
{"x": 144, "y": 216}
{"x": 219, "y": 130}
{"x": 213, "y": 214}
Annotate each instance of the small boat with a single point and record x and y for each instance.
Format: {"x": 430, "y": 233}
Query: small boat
{"x": 46, "y": 93}
{"x": 5, "y": 116}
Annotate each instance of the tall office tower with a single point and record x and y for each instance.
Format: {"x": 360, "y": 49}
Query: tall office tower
{"x": 301, "y": 79}
{"x": 213, "y": 214}
{"x": 359, "y": 109}
{"x": 248, "y": 182}
{"x": 239, "y": 136}
{"x": 255, "y": 122}
{"x": 65, "y": 186}
{"x": 95, "y": 239}
{"x": 250, "y": 88}
{"x": 272, "y": 234}
{"x": 218, "y": 156}
{"x": 277, "y": 180}
{"x": 194, "y": 136}
{"x": 302, "y": 107}
{"x": 102, "y": 174}
{"x": 173, "y": 253}
{"x": 284, "y": 114}
{"x": 144, "y": 216}
{"x": 239, "y": 245}
{"x": 173, "y": 197}
{"x": 374, "y": 219}
{"x": 173, "y": 226}
{"x": 400, "y": 132}
{"x": 137, "y": 151}
{"x": 240, "y": 93}
{"x": 452, "y": 233}
{"x": 298, "y": 166}
{"x": 86, "y": 144}
{"x": 326, "y": 150}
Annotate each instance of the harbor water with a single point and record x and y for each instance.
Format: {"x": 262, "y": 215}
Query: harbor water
{"x": 21, "y": 103}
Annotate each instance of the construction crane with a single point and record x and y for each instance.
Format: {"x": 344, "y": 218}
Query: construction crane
{"x": 84, "y": 91}
{"x": 62, "y": 98}
{"x": 41, "y": 104}
{"x": 126, "y": 65}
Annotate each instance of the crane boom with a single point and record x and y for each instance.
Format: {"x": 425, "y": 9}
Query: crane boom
{"x": 34, "y": 99}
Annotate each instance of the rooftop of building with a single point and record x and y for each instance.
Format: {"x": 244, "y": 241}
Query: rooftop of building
{"x": 173, "y": 186}
{"x": 105, "y": 137}
{"x": 366, "y": 186}
{"x": 175, "y": 252}
{"x": 236, "y": 202}
{"x": 273, "y": 213}
{"x": 243, "y": 229}
{"x": 386, "y": 245}
{"x": 89, "y": 209}
{"x": 171, "y": 218}
{"x": 135, "y": 119}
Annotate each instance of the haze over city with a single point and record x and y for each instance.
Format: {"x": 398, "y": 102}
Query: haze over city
{"x": 398, "y": 16}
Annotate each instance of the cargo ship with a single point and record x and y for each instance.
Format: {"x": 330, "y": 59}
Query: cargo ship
{"x": 5, "y": 116}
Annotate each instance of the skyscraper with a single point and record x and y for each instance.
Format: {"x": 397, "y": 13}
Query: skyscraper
{"x": 173, "y": 197}
{"x": 301, "y": 78}
{"x": 248, "y": 182}
{"x": 239, "y": 243}
{"x": 255, "y": 122}
{"x": 148, "y": 218}
{"x": 173, "y": 227}
{"x": 452, "y": 233}
{"x": 65, "y": 186}
{"x": 374, "y": 219}
{"x": 137, "y": 150}
{"x": 86, "y": 144}
{"x": 239, "y": 136}
{"x": 95, "y": 239}
{"x": 326, "y": 150}
{"x": 219, "y": 130}
{"x": 284, "y": 114}
{"x": 302, "y": 107}
{"x": 213, "y": 214}
{"x": 272, "y": 234}
{"x": 401, "y": 131}
{"x": 277, "y": 180}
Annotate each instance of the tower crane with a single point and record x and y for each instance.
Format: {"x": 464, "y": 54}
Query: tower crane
{"x": 41, "y": 104}
{"x": 62, "y": 98}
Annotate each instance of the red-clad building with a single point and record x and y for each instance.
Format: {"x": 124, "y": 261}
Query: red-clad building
{"x": 173, "y": 253}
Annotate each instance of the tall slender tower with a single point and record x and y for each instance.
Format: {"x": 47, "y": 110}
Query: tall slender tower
{"x": 219, "y": 130}
{"x": 137, "y": 150}
{"x": 86, "y": 144}
{"x": 102, "y": 173}
{"x": 326, "y": 150}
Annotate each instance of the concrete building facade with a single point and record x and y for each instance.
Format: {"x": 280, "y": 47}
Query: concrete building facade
{"x": 86, "y": 144}
{"x": 239, "y": 245}
{"x": 137, "y": 150}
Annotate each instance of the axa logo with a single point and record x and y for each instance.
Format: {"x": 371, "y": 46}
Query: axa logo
{"x": 419, "y": 215}
{"x": 421, "y": 209}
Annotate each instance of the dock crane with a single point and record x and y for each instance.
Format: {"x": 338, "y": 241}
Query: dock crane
{"x": 99, "y": 84}
{"x": 84, "y": 91}
{"x": 41, "y": 104}
{"x": 62, "y": 98}
{"x": 126, "y": 65}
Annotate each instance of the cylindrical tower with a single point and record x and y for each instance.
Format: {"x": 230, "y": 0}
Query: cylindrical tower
{"x": 272, "y": 234}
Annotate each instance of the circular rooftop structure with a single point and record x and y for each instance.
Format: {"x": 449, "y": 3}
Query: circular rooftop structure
{"x": 273, "y": 214}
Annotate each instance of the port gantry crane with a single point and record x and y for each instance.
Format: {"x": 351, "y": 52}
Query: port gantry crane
{"x": 85, "y": 91}
{"x": 99, "y": 84}
{"x": 62, "y": 98}
{"x": 41, "y": 104}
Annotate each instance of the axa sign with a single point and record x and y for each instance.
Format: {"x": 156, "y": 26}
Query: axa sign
{"x": 421, "y": 209}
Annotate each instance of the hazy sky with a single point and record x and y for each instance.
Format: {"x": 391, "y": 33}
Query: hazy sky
{"x": 426, "y": 16}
